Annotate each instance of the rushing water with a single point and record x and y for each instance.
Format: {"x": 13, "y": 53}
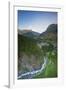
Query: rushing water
{"x": 32, "y": 73}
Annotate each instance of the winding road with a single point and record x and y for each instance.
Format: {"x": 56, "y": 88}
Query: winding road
{"x": 32, "y": 73}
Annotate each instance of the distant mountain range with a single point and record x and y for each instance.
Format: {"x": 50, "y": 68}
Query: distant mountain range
{"x": 28, "y": 33}
{"x": 49, "y": 34}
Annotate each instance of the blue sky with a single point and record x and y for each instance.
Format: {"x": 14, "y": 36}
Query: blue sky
{"x": 36, "y": 20}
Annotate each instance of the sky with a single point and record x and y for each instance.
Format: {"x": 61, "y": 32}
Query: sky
{"x": 37, "y": 21}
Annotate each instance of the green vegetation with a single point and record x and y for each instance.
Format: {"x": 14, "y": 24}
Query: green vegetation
{"x": 51, "y": 68}
{"x": 29, "y": 46}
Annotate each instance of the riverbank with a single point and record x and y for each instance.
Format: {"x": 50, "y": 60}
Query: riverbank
{"x": 34, "y": 72}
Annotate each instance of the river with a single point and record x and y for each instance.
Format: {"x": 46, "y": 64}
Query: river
{"x": 29, "y": 75}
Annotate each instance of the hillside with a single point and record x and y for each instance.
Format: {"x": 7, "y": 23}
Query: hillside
{"x": 29, "y": 54}
{"x": 32, "y": 50}
{"x": 50, "y": 51}
{"x": 50, "y": 35}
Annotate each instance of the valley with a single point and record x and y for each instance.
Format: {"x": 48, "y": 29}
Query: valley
{"x": 37, "y": 53}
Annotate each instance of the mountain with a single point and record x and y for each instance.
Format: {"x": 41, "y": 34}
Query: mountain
{"x": 28, "y": 33}
{"x": 21, "y": 32}
{"x": 51, "y": 29}
{"x": 50, "y": 34}
{"x": 31, "y": 51}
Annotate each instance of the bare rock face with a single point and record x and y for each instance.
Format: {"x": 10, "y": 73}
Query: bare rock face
{"x": 28, "y": 63}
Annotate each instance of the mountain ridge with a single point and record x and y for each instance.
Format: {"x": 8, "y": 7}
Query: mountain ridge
{"x": 51, "y": 28}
